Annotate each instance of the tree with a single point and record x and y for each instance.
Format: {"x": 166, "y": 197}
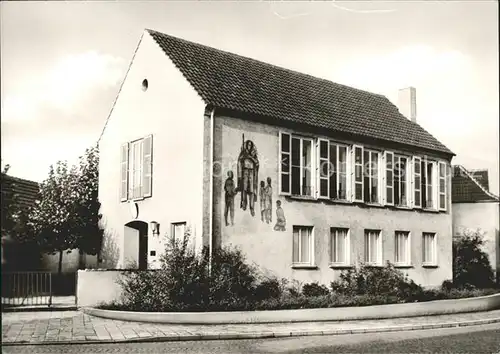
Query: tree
{"x": 471, "y": 266}
{"x": 67, "y": 215}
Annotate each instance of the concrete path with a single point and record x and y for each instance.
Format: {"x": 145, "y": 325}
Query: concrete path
{"x": 76, "y": 327}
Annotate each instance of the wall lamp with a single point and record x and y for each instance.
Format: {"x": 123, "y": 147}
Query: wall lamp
{"x": 155, "y": 227}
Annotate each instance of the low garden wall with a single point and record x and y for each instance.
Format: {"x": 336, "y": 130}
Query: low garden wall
{"x": 97, "y": 286}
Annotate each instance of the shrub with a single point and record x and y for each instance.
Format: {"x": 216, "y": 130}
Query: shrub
{"x": 471, "y": 266}
{"x": 268, "y": 288}
{"x": 314, "y": 289}
{"x": 366, "y": 280}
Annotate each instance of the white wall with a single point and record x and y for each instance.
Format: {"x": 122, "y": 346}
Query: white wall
{"x": 483, "y": 217}
{"x": 172, "y": 111}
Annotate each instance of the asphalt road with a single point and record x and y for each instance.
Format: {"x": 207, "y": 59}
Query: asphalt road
{"x": 475, "y": 339}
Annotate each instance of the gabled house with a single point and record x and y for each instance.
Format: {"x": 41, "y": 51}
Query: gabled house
{"x": 306, "y": 176}
{"x": 476, "y": 209}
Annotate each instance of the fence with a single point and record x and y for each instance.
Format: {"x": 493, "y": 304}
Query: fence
{"x": 26, "y": 288}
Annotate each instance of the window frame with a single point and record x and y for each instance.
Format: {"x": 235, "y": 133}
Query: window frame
{"x": 337, "y": 164}
{"x": 407, "y": 237}
{"x": 416, "y": 187}
{"x": 280, "y": 164}
{"x": 379, "y": 257}
{"x": 370, "y": 177}
{"x": 334, "y": 234}
{"x": 319, "y": 169}
{"x": 302, "y": 167}
{"x": 173, "y": 226}
{"x": 299, "y": 262}
{"x": 386, "y": 184}
{"x": 433, "y": 184}
{"x": 127, "y": 169}
{"x": 407, "y": 173}
{"x": 433, "y": 261}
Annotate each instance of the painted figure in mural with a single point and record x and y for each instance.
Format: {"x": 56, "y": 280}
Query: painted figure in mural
{"x": 230, "y": 192}
{"x": 248, "y": 173}
{"x": 262, "y": 199}
{"x": 268, "y": 201}
{"x": 280, "y": 218}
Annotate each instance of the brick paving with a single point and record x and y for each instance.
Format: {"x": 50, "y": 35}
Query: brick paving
{"x": 75, "y": 326}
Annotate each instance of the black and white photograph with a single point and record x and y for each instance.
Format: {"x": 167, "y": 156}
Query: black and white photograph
{"x": 214, "y": 176}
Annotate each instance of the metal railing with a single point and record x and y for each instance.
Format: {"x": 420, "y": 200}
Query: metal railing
{"x": 26, "y": 288}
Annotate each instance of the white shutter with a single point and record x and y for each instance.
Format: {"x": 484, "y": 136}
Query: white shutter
{"x": 417, "y": 182}
{"x": 285, "y": 175}
{"x": 124, "y": 172}
{"x": 442, "y": 185}
{"x": 389, "y": 182}
{"x": 358, "y": 177}
{"x": 147, "y": 166}
{"x": 323, "y": 169}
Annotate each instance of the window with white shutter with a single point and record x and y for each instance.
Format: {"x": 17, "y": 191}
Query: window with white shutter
{"x": 136, "y": 169}
{"x": 339, "y": 246}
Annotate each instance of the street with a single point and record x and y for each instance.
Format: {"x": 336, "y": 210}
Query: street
{"x": 475, "y": 339}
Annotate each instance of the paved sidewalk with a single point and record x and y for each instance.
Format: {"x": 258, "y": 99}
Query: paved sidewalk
{"x": 76, "y": 327}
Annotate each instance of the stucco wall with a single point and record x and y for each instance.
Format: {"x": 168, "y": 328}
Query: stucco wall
{"x": 105, "y": 281}
{"x": 172, "y": 111}
{"x": 272, "y": 250}
{"x": 482, "y": 217}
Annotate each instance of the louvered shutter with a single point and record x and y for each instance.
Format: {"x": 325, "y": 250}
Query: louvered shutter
{"x": 147, "y": 166}
{"x": 124, "y": 172}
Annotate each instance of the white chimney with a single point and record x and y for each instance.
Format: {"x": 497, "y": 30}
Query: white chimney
{"x": 407, "y": 103}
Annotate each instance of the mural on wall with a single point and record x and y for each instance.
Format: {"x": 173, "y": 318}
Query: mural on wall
{"x": 280, "y": 218}
{"x": 230, "y": 192}
{"x": 248, "y": 175}
{"x": 266, "y": 201}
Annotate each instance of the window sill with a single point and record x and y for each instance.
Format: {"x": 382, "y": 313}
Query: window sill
{"x": 429, "y": 265}
{"x": 429, "y": 210}
{"x": 376, "y": 205}
{"x": 340, "y": 266}
{"x": 301, "y": 197}
{"x": 304, "y": 266}
{"x": 404, "y": 266}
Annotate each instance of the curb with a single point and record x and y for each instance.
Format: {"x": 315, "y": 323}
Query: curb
{"x": 262, "y": 335}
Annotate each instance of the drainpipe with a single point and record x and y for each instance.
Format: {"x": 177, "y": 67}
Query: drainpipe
{"x": 211, "y": 194}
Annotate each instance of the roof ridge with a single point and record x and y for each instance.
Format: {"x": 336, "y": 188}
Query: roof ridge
{"x": 477, "y": 183}
{"x": 266, "y": 63}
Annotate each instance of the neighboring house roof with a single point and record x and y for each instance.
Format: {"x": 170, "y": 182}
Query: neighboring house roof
{"x": 27, "y": 191}
{"x": 230, "y": 81}
{"x": 467, "y": 189}
{"x": 481, "y": 176}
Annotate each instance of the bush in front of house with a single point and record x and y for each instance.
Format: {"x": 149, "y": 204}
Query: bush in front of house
{"x": 471, "y": 266}
{"x": 375, "y": 281}
{"x": 186, "y": 282}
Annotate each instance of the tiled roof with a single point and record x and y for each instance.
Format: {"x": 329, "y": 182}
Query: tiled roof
{"x": 27, "y": 191}
{"x": 230, "y": 81}
{"x": 481, "y": 176}
{"x": 467, "y": 189}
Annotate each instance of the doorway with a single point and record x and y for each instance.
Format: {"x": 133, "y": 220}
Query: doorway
{"x": 136, "y": 245}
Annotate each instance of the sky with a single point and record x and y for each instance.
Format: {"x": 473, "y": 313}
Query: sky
{"x": 62, "y": 63}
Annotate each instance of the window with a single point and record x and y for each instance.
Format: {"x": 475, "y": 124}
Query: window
{"x": 389, "y": 178}
{"x": 428, "y": 184}
{"x": 302, "y": 245}
{"x": 400, "y": 180}
{"x": 358, "y": 173}
{"x": 136, "y": 169}
{"x": 338, "y": 175}
{"x": 302, "y": 166}
{"x": 402, "y": 248}
{"x": 429, "y": 248}
{"x": 442, "y": 186}
{"x": 417, "y": 182}
{"x": 373, "y": 247}
{"x": 339, "y": 246}
{"x": 178, "y": 230}
{"x": 371, "y": 183}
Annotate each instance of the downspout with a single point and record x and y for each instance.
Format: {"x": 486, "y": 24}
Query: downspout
{"x": 211, "y": 194}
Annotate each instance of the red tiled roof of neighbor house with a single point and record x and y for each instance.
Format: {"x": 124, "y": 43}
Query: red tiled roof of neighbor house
{"x": 229, "y": 81}
{"x": 466, "y": 188}
{"x": 27, "y": 191}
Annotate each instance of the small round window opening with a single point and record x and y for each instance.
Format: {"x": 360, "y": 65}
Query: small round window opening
{"x": 144, "y": 85}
